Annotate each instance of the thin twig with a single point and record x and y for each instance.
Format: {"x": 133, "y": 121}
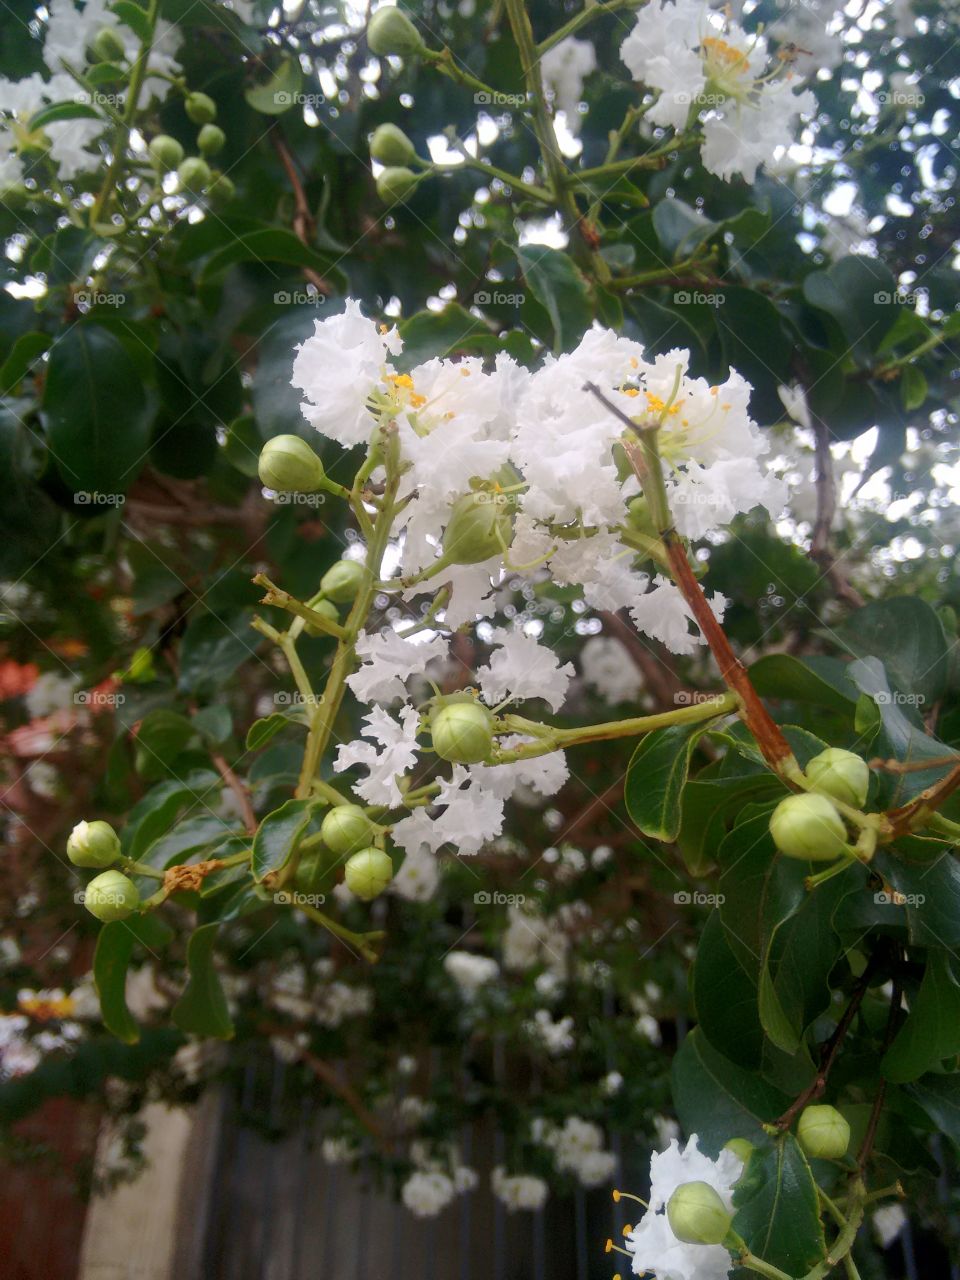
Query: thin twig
{"x": 304, "y": 223}
{"x": 240, "y": 791}
{"x": 821, "y": 547}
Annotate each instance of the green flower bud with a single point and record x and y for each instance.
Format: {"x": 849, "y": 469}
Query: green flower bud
{"x": 395, "y": 184}
{"x": 210, "y": 139}
{"x": 462, "y": 732}
{"x": 194, "y": 174}
{"x": 200, "y": 108}
{"x": 697, "y": 1215}
{"x": 343, "y": 580}
{"x": 111, "y": 896}
{"x": 741, "y": 1148}
{"x": 107, "y": 46}
{"x": 368, "y": 873}
{"x": 840, "y": 774}
{"x": 346, "y": 828}
{"x": 808, "y": 827}
{"x": 480, "y": 526}
{"x": 222, "y": 189}
{"x": 166, "y": 153}
{"x": 329, "y": 610}
{"x": 93, "y": 844}
{"x": 391, "y": 146}
{"x": 823, "y": 1133}
{"x": 391, "y": 31}
{"x": 288, "y": 465}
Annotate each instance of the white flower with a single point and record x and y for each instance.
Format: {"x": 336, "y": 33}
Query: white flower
{"x": 608, "y": 668}
{"x": 418, "y": 877}
{"x": 523, "y": 668}
{"x": 795, "y": 402}
{"x": 664, "y": 614}
{"x": 50, "y": 693}
{"x": 470, "y": 972}
{"x": 518, "y": 1190}
{"x": 577, "y": 1149}
{"x": 648, "y": 1027}
{"x": 530, "y": 939}
{"x": 556, "y": 1037}
{"x": 612, "y": 1083}
{"x": 564, "y": 68}
{"x": 339, "y": 368}
{"x": 399, "y": 750}
{"x": 388, "y": 660}
{"x": 426, "y": 1193}
{"x": 888, "y": 1222}
{"x": 472, "y": 815}
{"x": 653, "y": 1245}
{"x": 337, "y": 1150}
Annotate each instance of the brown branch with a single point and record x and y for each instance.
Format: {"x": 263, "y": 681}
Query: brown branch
{"x": 304, "y": 223}
{"x": 932, "y": 799}
{"x": 893, "y": 1017}
{"x": 323, "y": 1071}
{"x": 821, "y": 547}
{"x": 912, "y": 766}
{"x": 240, "y": 791}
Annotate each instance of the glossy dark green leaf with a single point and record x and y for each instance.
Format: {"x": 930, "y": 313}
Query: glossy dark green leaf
{"x": 815, "y": 679}
{"x": 719, "y": 1100}
{"x": 558, "y": 285}
{"x": 58, "y": 111}
{"x": 278, "y": 93}
{"x": 262, "y": 731}
{"x": 707, "y": 807}
{"x": 760, "y": 887}
{"x": 860, "y": 293}
{"x": 726, "y": 998}
{"x": 133, "y": 16}
{"x": 273, "y": 244}
{"x": 906, "y": 634}
{"x": 680, "y": 228}
{"x": 428, "y": 334}
{"x": 929, "y": 893}
{"x": 213, "y": 647}
{"x": 214, "y": 724}
{"x": 26, "y": 351}
{"x": 161, "y": 737}
{"x": 931, "y": 1032}
{"x": 111, "y": 960}
{"x": 778, "y": 1210}
{"x": 655, "y": 779}
{"x": 202, "y": 1009}
{"x": 277, "y": 836}
{"x": 939, "y": 1096}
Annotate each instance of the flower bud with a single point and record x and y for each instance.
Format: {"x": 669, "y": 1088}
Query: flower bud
{"x": 328, "y": 610}
{"x": 107, "y": 46}
{"x": 93, "y": 844}
{"x": 391, "y": 31}
{"x": 222, "y": 189}
{"x": 194, "y": 174}
{"x": 462, "y": 732}
{"x": 111, "y": 896}
{"x": 343, "y": 580}
{"x": 840, "y": 774}
{"x": 396, "y": 184}
{"x": 368, "y": 873}
{"x": 741, "y": 1148}
{"x": 808, "y": 827}
{"x": 391, "y": 146}
{"x": 823, "y": 1133}
{"x": 165, "y": 152}
{"x": 697, "y": 1215}
{"x": 200, "y": 108}
{"x": 346, "y": 828}
{"x": 480, "y": 526}
{"x": 210, "y": 139}
{"x": 288, "y": 465}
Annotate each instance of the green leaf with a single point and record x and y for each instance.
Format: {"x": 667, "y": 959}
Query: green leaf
{"x": 110, "y": 963}
{"x": 557, "y": 283}
{"x": 280, "y": 92}
{"x": 161, "y": 737}
{"x": 26, "y": 350}
{"x": 655, "y": 779}
{"x": 931, "y": 1032}
{"x": 278, "y": 835}
{"x": 760, "y": 887}
{"x": 212, "y": 648}
{"x": 441, "y": 333}
{"x": 906, "y": 634}
{"x": 202, "y": 1009}
{"x": 913, "y": 387}
{"x": 214, "y": 724}
{"x": 778, "y": 1210}
{"x": 939, "y": 1096}
{"x": 719, "y": 1100}
{"x": 158, "y": 809}
{"x": 135, "y": 17}
{"x": 680, "y": 228}
{"x": 272, "y": 244}
{"x": 726, "y": 998}
{"x": 707, "y": 806}
{"x": 930, "y": 890}
{"x": 816, "y": 679}
{"x": 263, "y": 730}
{"x": 58, "y": 111}
{"x": 859, "y": 293}
{"x": 96, "y": 410}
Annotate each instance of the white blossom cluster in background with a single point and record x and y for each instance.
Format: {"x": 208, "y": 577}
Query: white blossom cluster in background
{"x": 322, "y": 1000}
{"x": 546, "y": 453}
{"x": 577, "y": 1148}
{"x": 438, "y": 1178}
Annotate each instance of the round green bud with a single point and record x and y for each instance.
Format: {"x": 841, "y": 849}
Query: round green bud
{"x": 391, "y": 31}
{"x": 697, "y": 1215}
{"x": 395, "y": 184}
{"x": 210, "y": 139}
{"x": 107, "y": 46}
{"x": 194, "y": 174}
{"x": 823, "y": 1133}
{"x": 346, "y": 828}
{"x": 840, "y": 774}
{"x": 480, "y": 526}
{"x": 740, "y": 1147}
{"x": 111, "y": 896}
{"x": 808, "y": 827}
{"x": 221, "y": 189}
{"x": 462, "y": 732}
{"x": 200, "y": 108}
{"x": 368, "y": 873}
{"x": 391, "y": 146}
{"x": 288, "y": 465}
{"x": 93, "y": 844}
{"x": 343, "y": 580}
{"x": 329, "y": 610}
{"x": 166, "y": 153}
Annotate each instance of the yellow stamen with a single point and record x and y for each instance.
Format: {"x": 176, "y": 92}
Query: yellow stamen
{"x": 730, "y": 58}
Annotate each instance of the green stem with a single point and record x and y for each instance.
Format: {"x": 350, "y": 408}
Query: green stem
{"x": 762, "y": 1268}
{"x": 365, "y": 943}
{"x": 442, "y": 60}
{"x": 528, "y": 189}
{"x": 580, "y": 20}
{"x": 140, "y": 869}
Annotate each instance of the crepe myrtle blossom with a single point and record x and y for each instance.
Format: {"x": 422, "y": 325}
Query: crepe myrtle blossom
{"x": 518, "y": 1190}
{"x": 704, "y": 65}
{"x": 564, "y": 68}
{"x": 652, "y": 1243}
{"x": 470, "y": 972}
{"x": 577, "y": 1148}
